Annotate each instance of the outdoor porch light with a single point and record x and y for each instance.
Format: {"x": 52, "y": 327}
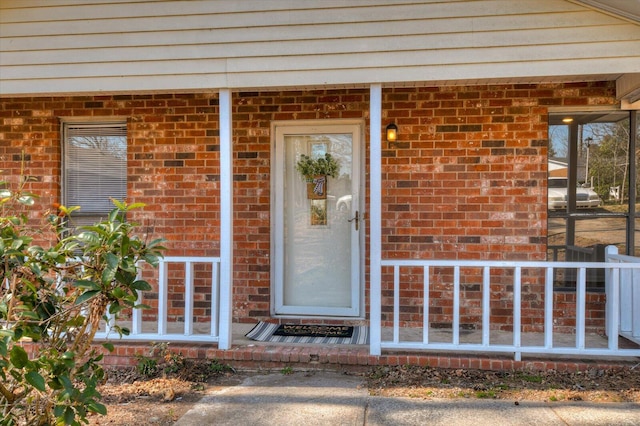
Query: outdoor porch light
{"x": 392, "y": 132}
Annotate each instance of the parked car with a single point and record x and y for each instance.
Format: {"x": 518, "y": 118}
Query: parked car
{"x": 586, "y": 198}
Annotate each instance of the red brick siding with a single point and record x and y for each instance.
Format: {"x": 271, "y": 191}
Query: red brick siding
{"x": 466, "y": 179}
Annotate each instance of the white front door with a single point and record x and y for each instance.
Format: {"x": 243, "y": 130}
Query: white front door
{"x": 316, "y": 260}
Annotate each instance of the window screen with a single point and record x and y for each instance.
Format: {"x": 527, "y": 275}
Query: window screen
{"x": 95, "y": 168}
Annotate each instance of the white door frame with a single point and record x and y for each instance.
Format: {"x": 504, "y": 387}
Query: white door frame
{"x": 278, "y": 130}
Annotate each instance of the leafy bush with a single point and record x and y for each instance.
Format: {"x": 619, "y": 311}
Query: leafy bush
{"x": 52, "y": 301}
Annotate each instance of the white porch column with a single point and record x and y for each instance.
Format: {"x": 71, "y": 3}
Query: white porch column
{"x": 375, "y": 218}
{"x": 226, "y": 220}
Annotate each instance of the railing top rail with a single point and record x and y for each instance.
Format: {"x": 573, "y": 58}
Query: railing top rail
{"x": 623, "y": 258}
{"x": 200, "y": 259}
{"x": 630, "y": 264}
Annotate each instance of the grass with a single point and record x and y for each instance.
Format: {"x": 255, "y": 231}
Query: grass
{"x": 490, "y": 394}
{"x": 531, "y": 378}
{"x": 216, "y": 366}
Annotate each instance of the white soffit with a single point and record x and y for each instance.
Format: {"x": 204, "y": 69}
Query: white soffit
{"x": 628, "y": 9}
{"x": 628, "y": 90}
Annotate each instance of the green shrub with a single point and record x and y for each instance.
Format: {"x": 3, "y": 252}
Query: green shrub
{"x": 56, "y": 298}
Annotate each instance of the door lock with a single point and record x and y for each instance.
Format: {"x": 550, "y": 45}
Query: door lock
{"x": 356, "y": 219}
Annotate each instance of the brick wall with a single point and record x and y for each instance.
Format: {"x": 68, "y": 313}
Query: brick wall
{"x": 466, "y": 178}
{"x": 173, "y": 161}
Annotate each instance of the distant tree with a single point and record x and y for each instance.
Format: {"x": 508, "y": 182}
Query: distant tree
{"x": 609, "y": 157}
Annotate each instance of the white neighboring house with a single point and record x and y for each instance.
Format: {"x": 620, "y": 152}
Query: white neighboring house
{"x": 557, "y": 168}
{"x": 586, "y": 198}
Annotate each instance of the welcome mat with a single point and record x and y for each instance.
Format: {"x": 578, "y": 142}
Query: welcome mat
{"x": 314, "y": 330}
{"x": 296, "y": 333}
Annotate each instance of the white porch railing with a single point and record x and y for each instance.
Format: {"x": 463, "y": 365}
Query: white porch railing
{"x": 185, "y": 330}
{"x": 622, "y": 274}
{"x": 624, "y": 300}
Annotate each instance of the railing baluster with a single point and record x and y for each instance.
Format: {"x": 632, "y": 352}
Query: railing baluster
{"x": 456, "y": 305}
{"x": 396, "y": 304}
{"x": 626, "y": 301}
{"x": 548, "y": 308}
{"x": 610, "y": 251}
{"x": 136, "y": 315}
{"x": 426, "y": 301}
{"x": 188, "y": 298}
{"x": 517, "y": 311}
{"x": 581, "y": 304}
{"x": 635, "y": 297}
{"x": 486, "y": 306}
{"x": 613, "y": 300}
{"x": 215, "y": 296}
{"x": 163, "y": 279}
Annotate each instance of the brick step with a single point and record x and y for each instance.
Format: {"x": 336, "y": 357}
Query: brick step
{"x": 353, "y": 358}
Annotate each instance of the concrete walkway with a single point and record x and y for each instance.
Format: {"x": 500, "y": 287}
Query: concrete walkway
{"x": 326, "y": 398}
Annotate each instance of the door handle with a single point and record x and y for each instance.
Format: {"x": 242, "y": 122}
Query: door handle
{"x": 356, "y": 219}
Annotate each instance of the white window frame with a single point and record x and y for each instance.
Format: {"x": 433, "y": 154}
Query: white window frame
{"x": 92, "y": 192}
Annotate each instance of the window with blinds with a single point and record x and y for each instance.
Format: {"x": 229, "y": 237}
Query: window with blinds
{"x": 95, "y": 168}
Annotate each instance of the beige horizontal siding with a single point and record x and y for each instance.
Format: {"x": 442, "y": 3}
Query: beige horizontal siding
{"x": 160, "y": 15}
{"x": 320, "y": 61}
{"x": 330, "y": 46}
{"x": 59, "y": 46}
{"x": 567, "y": 22}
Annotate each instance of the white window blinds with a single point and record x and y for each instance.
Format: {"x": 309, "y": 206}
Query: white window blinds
{"x": 95, "y": 168}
